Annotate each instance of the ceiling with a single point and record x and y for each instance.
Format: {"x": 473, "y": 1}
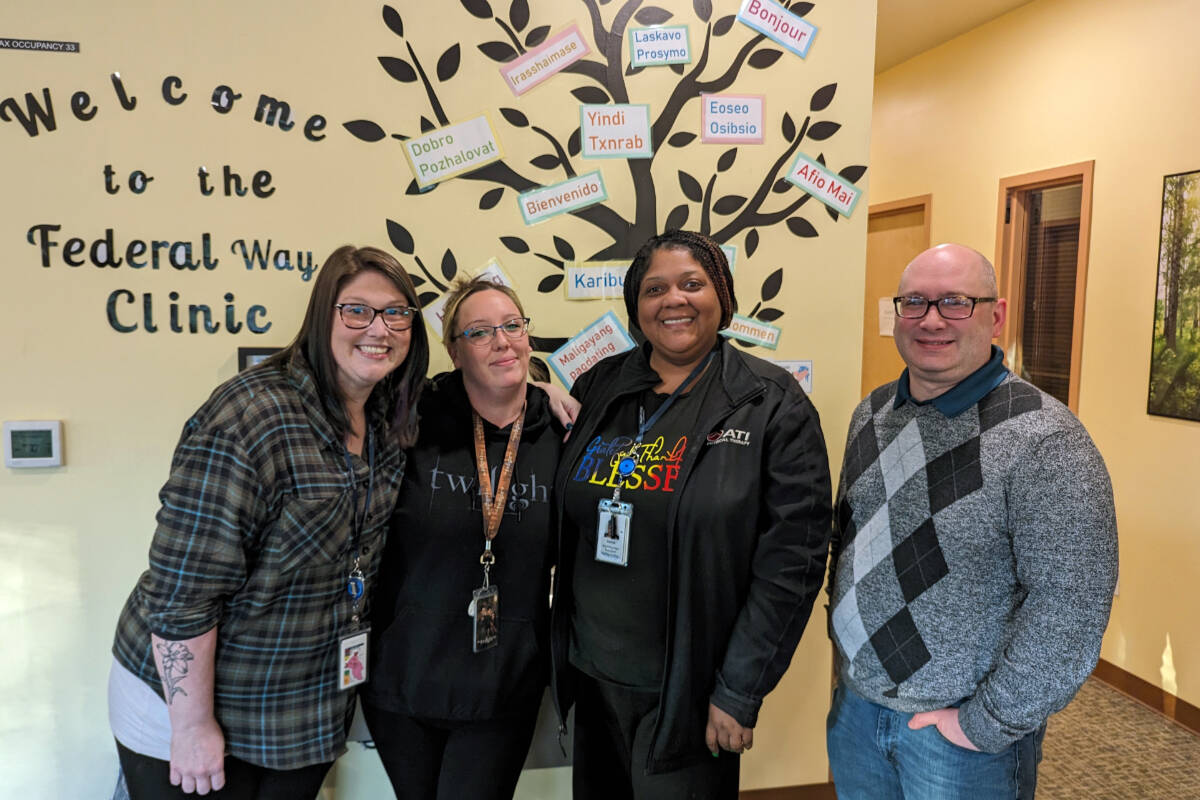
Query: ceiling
{"x": 907, "y": 27}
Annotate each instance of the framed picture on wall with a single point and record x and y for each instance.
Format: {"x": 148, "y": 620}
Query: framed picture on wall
{"x": 1175, "y": 345}
{"x": 249, "y": 356}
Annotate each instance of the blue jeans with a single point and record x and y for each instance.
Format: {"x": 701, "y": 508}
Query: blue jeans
{"x": 875, "y": 756}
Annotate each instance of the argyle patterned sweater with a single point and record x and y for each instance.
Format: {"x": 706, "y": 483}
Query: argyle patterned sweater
{"x": 975, "y": 559}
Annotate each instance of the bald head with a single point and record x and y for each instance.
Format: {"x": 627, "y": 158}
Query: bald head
{"x": 972, "y": 263}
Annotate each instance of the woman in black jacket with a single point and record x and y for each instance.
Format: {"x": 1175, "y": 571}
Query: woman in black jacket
{"x": 694, "y": 496}
{"x": 461, "y": 616}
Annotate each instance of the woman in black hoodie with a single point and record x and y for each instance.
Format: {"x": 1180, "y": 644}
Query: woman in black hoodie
{"x": 461, "y": 616}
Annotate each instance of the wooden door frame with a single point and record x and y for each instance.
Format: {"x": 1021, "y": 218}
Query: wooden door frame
{"x": 922, "y": 201}
{"x": 1010, "y": 258}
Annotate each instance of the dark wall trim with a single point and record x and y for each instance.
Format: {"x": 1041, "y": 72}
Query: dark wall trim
{"x": 1150, "y": 695}
{"x": 809, "y": 791}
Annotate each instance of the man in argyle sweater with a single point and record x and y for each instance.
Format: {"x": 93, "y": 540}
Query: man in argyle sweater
{"x": 975, "y": 556}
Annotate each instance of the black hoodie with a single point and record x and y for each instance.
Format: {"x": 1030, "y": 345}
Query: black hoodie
{"x": 422, "y": 662}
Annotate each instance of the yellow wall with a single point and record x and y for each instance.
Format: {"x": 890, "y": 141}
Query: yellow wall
{"x": 74, "y": 538}
{"x": 1052, "y": 83}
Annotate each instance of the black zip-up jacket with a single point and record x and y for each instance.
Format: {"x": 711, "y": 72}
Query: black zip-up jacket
{"x": 422, "y": 663}
{"x": 749, "y": 535}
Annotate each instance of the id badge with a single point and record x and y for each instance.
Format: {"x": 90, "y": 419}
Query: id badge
{"x": 612, "y": 532}
{"x": 485, "y": 611}
{"x": 352, "y": 659}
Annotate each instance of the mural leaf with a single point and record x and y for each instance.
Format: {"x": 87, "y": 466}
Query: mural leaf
{"x": 729, "y": 204}
{"x": 726, "y": 159}
{"x": 833, "y": 215}
{"x": 751, "y": 242}
{"x": 514, "y": 117}
{"x": 564, "y": 248}
{"x": 821, "y": 159}
{"x": 515, "y": 243}
{"x": 771, "y": 285}
{"x": 537, "y": 36}
{"x": 518, "y": 14}
{"x": 781, "y": 186}
{"x": 724, "y": 25}
{"x": 415, "y": 188}
{"x": 391, "y": 18}
{"x": 364, "y": 129}
{"x": 652, "y": 15}
{"x": 768, "y": 314}
{"x": 416, "y": 279}
{"x": 447, "y": 65}
{"x": 449, "y": 265}
{"x": 801, "y": 9}
{"x": 427, "y": 125}
{"x": 681, "y": 139}
{"x": 401, "y": 239}
{"x": 500, "y": 52}
{"x": 425, "y": 298}
{"x": 801, "y": 227}
{"x": 822, "y": 97}
{"x": 764, "y": 58}
{"x": 677, "y": 68}
{"x": 550, "y": 282}
{"x": 853, "y": 173}
{"x": 820, "y": 131}
{"x": 592, "y": 95}
{"x": 703, "y": 9}
{"x": 789, "y": 127}
{"x": 575, "y": 143}
{"x": 632, "y": 70}
{"x": 691, "y": 187}
{"x": 401, "y": 137}
{"x": 398, "y": 68}
{"x": 491, "y": 198}
{"x": 677, "y": 218}
{"x": 478, "y": 8}
{"x": 546, "y": 161}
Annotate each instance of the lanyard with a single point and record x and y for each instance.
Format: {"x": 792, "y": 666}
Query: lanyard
{"x": 627, "y": 463}
{"x": 355, "y": 585}
{"x": 493, "y": 502}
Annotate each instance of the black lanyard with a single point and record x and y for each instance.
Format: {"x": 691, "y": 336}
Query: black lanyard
{"x": 355, "y": 585}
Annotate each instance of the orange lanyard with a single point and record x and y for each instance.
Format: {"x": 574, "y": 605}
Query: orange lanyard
{"x": 494, "y": 502}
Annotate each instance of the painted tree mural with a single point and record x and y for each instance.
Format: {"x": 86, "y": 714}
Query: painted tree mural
{"x": 724, "y": 203}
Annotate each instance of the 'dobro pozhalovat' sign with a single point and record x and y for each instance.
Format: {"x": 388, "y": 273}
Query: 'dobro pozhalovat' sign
{"x": 732, "y": 118}
{"x": 752, "y": 331}
{"x": 555, "y": 55}
{"x": 596, "y": 280}
{"x": 601, "y": 339}
{"x": 615, "y": 131}
{"x": 550, "y": 201}
{"x": 452, "y": 150}
{"x": 832, "y": 190}
{"x": 778, "y": 24}
{"x": 659, "y": 46}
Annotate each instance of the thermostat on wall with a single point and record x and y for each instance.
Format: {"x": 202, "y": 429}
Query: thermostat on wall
{"x": 33, "y": 443}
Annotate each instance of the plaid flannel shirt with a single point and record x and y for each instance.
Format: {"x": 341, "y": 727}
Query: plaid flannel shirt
{"x": 255, "y": 537}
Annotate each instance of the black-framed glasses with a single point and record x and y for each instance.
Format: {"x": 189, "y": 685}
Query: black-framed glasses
{"x": 480, "y": 335}
{"x": 356, "y": 315}
{"x": 955, "y": 306}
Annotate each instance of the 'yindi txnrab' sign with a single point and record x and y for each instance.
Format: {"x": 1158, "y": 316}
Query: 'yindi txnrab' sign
{"x": 556, "y": 54}
{"x": 436, "y": 311}
{"x": 603, "y": 338}
{"x": 732, "y": 118}
{"x": 550, "y": 201}
{"x": 832, "y": 190}
{"x": 659, "y": 46}
{"x": 753, "y": 331}
{"x": 596, "y": 280}
{"x": 778, "y": 24}
{"x": 452, "y": 150}
{"x": 615, "y": 131}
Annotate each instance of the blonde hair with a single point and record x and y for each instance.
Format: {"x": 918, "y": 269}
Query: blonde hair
{"x": 460, "y": 290}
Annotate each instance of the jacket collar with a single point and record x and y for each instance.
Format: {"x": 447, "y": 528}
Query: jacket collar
{"x": 736, "y": 381}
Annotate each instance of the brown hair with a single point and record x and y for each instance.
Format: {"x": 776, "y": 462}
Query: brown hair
{"x": 394, "y": 399}
{"x": 705, "y": 250}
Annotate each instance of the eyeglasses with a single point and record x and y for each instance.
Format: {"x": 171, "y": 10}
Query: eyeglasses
{"x": 356, "y": 315}
{"x": 481, "y": 335}
{"x": 956, "y": 306}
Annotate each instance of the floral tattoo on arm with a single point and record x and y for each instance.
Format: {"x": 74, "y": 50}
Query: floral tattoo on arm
{"x": 175, "y": 658}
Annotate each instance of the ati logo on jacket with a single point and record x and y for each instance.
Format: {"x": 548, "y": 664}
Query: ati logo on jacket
{"x": 730, "y": 436}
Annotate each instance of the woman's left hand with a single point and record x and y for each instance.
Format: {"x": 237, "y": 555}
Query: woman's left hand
{"x": 562, "y": 405}
{"x": 725, "y": 731}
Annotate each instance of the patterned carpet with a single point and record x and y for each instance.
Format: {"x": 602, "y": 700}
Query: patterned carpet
{"x": 1105, "y": 746}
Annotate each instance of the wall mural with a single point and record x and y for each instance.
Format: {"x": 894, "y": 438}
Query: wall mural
{"x": 724, "y": 203}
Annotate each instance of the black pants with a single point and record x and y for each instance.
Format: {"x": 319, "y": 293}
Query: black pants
{"x": 449, "y": 760}
{"x": 150, "y": 779}
{"x": 613, "y": 727}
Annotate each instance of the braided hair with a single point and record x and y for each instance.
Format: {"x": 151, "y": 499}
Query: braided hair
{"x": 705, "y": 250}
